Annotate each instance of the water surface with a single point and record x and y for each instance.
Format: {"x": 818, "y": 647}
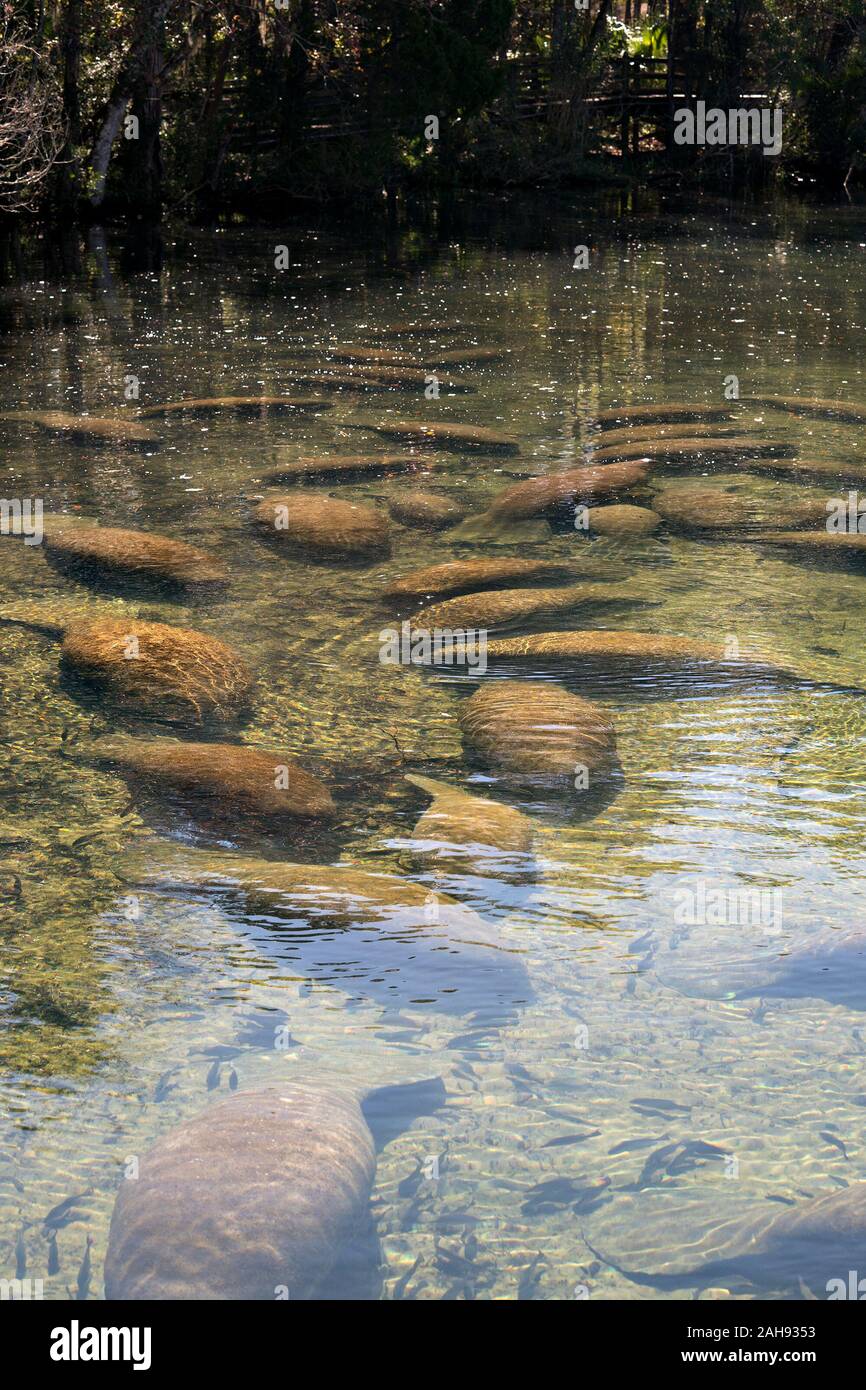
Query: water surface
{"x": 116, "y": 1000}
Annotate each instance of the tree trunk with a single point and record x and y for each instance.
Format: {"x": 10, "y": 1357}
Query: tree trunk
{"x": 133, "y": 72}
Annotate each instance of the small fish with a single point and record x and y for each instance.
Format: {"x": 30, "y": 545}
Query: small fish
{"x": 628, "y": 1145}
{"x": 410, "y": 1186}
{"x": 657, "y": 1163}
{"x": 529, "y": 1279}
{"x": 82, "y": 1287}
{"x": 165, "y": 1085}
{"x": 402, "y": 1282}
{"x": 20, "y": 1255}
{"x": 579, "y": 1194}
{"x": 652, "y": 1105}
{"x": 836, "y": 1143}
{"x": 233, "y": 1080}
{"x": 677, "y": 1158}
{"x": 221, "y": 1050}
{"x": 53, "y": 1257}
{"x": 213, "y": 1076}
{"x": 62, "y": 1214}
{"x": 564, "y": 1141}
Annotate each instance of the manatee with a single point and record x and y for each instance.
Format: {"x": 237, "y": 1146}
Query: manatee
{"x": 540, "y": 735}
{"x": 799, "y": 470}
{"x": 148, "y": 669}
{"x": 325, "y": 380}
{"x": 468, "y": 357}
{"x": 257, "y": 1198}
{"x": 443, "y": 435}
{"x": 240, "y": 405}
{"x": 816, "y": 1242}
{"x": 641, "y": 651}
{"x": 654, "y": 434}
{"x": 406, "y": 379}
{"x": 373, "y": 934}
{"x": 332, "y": 467}
{"x": 463, "y": 576}
{"x": 171, "y": 673}
{"x": 425, "y": 510}
{"x": 714, "y": 509}
{"x": 826, "y": 963}
{"x": 268, "y": 786}
{"x": 559, "y": 493}
{"x": 472, "y": 834}
{"x": 666, "y": 413}
{"x": 822, "y": 409}
{"x": 707, "y": 451}
{"x": 409, "y": 328}
{"x": 386, "y": 356}
{"x": 87, "y": 429}
{"x": 498, "y": 608}
{"x": 622, "y": 520}
{"x": 113, "y": 551}
{"x": 323, "y": 526}
{"x": 846, "y": 545}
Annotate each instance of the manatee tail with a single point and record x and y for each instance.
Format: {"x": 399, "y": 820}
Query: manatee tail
{"x": 431, "y": 786}
{"x": 487, "y": 527}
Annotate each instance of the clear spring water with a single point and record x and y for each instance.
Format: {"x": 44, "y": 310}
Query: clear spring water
{"x": 637, "y": 1031}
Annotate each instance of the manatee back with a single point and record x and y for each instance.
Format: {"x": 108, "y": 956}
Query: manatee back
{"x": 255, "y": 1196}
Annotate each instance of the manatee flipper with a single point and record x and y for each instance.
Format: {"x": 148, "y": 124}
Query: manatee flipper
{"x": 389, "y": 1110}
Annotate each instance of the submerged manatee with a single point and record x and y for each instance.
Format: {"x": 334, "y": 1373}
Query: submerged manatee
{"x": 368, "y": 933}
{"x": 113, "y": 551}
{"x": 842, "y": 545}
{"x": 812, "y": 405}
{"x": 388, "y": 356}
{"x": 386, "y": 378}
{"x": 559, "y": 492}
{"x": 87, "y": 429}
{"x": 499, "y": 608}
{"x": 556, "y": 494}
{"x": 443, "y": 435}
{"x": 462, "y": 576}
{"x": 704, "y": 451}
{"x": 257, "y": 1198}
{"x": 239, "y": 405}
{"x": 666, "y": 412}
{"x": 268, "y": 786}
{"x": 653, "y": 434}
{"x": 622, "y": 520}
{"x": 467, "y": 357}
{"x": 334, "y": 467}
{"x": 325, "y": 526}
{"x": 800, "y": 470}
{"x": 425, "y": 510}
{"x": 471, "y": 834}
{"x": 639, "y": 651}
{"x": 815, "y": 1242}
{"x": 148, "y": 669}
{"x": 172, "y": 673}
{"x": 714, "y": 509}
{"x": 540, "y": 735}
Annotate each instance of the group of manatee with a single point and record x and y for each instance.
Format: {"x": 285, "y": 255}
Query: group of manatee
{"x": 264, "y": 1192}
